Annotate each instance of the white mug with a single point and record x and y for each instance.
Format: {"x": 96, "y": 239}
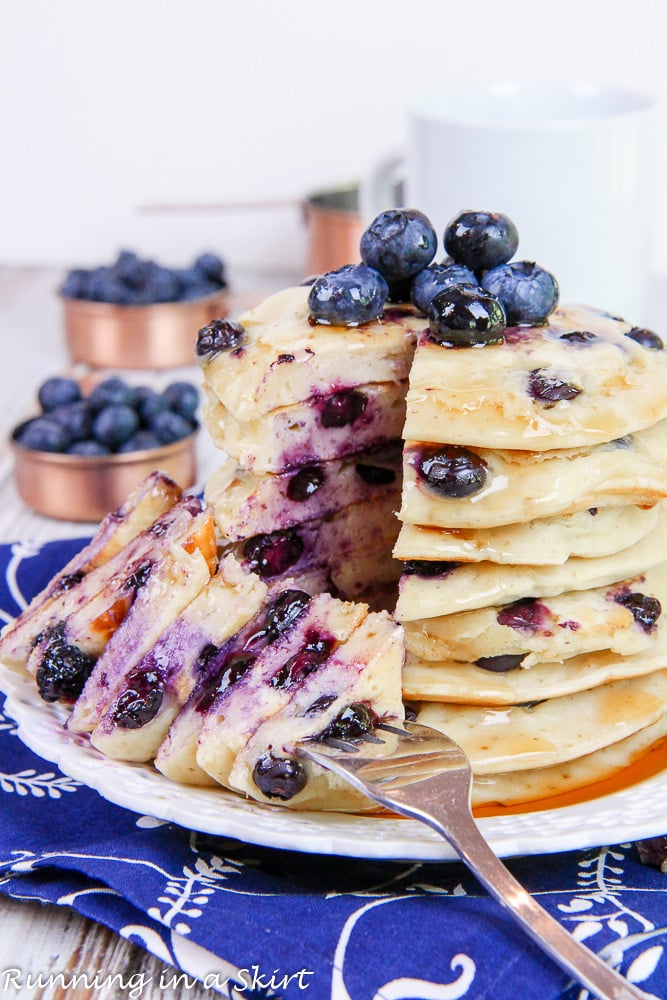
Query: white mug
{"x": 574, "y": 167}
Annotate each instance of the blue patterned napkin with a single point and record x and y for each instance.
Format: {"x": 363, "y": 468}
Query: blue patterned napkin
{"x": 256, "y": 922}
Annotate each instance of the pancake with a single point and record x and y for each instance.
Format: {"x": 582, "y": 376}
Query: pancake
{"x": 541, "y": 783}
{"x": 550, "y": 541}
{"x": 521, "y": 737}
{"x": 466, "y": 586}
{"x": 524, "y": 486}
{"x": 489, "y": 398}
{"x": 308, "y": 432}
{"x": 623, "y": 618}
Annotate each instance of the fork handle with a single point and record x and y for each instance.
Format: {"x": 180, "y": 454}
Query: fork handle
{"x": 462, "y": 832}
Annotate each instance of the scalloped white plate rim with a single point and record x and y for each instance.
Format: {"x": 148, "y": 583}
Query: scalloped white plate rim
{"x": 633, "y": 813}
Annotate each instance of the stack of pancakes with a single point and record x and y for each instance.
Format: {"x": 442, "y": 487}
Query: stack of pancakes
{"x": 311, "y": 418}
{"x": 533, "y": 538}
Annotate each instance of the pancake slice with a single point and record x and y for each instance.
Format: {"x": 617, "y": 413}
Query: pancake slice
{"x": 154, "y": 689}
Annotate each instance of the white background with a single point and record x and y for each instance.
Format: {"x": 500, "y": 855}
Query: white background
{"x": 105, "y": 108}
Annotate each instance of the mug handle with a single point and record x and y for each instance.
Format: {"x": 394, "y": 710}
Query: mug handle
{"x": 383, "y": 187}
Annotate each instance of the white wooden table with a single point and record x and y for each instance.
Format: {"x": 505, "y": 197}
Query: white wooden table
{"x": 36, "y": 938}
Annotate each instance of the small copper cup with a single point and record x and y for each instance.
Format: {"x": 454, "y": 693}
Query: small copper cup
{"x": 163, "y": 335}
{"x": 83, "y": 488}
{"x": 334, "y": 229}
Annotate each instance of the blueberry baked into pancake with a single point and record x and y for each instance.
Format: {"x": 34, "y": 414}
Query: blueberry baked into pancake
{"x": 440, "y": 492}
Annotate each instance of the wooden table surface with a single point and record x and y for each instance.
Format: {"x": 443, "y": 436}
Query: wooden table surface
{"x": 36, "y": 938}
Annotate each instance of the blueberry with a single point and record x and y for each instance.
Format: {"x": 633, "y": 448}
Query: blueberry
{"x": 647, "y": 338}
{"x": 272, "y": 554}
{"x": 220, "y": 335}
{"x": 481, "y": 240}
{"x": 75, "y": 418}
{"x": 399, "y": 243}
{"x": 43, "y": 434}
{"x": 75, "y": 285}
{"x": 151, "y": 405}
{"x": 578, "y": 336}
{"x": 64, "y": 668}
{"x": 465, "y": 317}
{"x": 547, "y": 386}
{"x": 429, "y": 567}
{"x": 141, "y": 441}
{"x": 183, "y": 398}
{"x": 501, "y": 664}
{"x": 645, "y": 610}
{"x": 88, "y": 448}
{"x": 58, "y": 391}
{"x": 211, "y": 267}
{"x": 199, "y": 290}
{"x": 436, "y": 278}
{"x": 169, "y": 427}
{"x": 283, "y": 611}
{"x": 111, "y": 392}
{"x": 304, "y": 483}
{"x": 351, "y": 724}
{"x": 140, "y": 702}
{"x": 130, "y": 269}
{"x": 351, "y": 295}
{"x": 528, "y": 293}
{"x": 312, "y": 654}
{"x": 343, "y": 408}
{"x": 162, "y": 285}
{"x": 114, "y": 425}
{"x": 279, "y": 777}
{"x": 453, "y": 471}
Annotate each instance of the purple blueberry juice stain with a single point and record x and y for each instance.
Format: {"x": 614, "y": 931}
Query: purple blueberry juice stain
{"x": 579, "y": 337}
{"x": 314, "y": 652}
{"x": 528, "y": 615}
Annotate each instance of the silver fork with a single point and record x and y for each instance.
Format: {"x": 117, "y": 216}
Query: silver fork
{"x": 419, "y": 772}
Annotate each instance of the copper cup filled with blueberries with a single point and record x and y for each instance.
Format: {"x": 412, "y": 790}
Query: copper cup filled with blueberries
{"x": 81, "y": 455}
{"x": 137, "y": 313}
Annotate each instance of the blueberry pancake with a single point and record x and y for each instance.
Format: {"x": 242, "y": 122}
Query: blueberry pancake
{"x": 247, "y": 504}
{"x": 269, "y": 681}
{"x": 276, "y": 357}
{"x": 429, "y": 589}
{"x": 623, "y": 618}
{"x": 578, "y": 379}
{"x": 520, "y": 737}
{"x": 164, "y": 586}
{"x": 121, "y": 535}
{"x": 321, "y": 429}
{"x": 486, "y": 685}
{"x": 154, "y": 689}
{"x": 464, "y": 487}
{"x": 357, "y": 687}
{"x": 549, "y": 541}
{"x": 542, "y": 783}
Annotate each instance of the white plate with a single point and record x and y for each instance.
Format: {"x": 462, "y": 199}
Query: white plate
{"x": 631, "y": 814}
